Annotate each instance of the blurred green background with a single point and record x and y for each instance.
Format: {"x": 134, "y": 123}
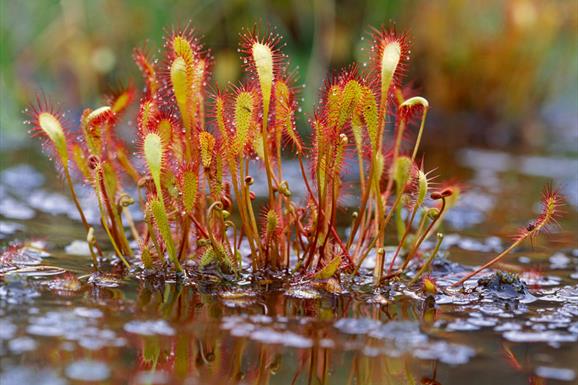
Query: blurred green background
{"x": 499, "y": 74}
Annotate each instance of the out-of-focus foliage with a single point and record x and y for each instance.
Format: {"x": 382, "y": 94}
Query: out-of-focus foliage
{"x": 74, "y": 48}
{"x": 498, "y": 62}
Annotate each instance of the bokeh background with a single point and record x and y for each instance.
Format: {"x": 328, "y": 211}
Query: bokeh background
{"x": 498, "y": 74}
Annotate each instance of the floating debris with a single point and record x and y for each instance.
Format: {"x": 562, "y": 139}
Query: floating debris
{"x": 303, "y": 293}
{"x": 36, "y": 271}
{"x": 238, "y": 298}
{"x": 20, "y": 255}
{"x": 105, "y": 280}
{"x": 65, "y": 284}
{"x": 505, "y": 286}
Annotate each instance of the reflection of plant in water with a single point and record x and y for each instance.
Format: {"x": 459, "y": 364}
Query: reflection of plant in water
{"x": 217, "y": 356}
{"x": 197, "y": 160}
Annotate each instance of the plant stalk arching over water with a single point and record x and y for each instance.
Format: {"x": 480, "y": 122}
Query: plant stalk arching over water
{"x": 199, "y": 150}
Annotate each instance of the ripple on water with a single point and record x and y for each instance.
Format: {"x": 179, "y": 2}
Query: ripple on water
{"x": 9, "y": 228}
{"x": 266, "y": 330}
{"x": 151, "y": 378}
{"x": 538, "y": 280}
{"x": 401, "y": 335}
{"x": 149, "y": 328}
{"x": 569, "y": 293}
{"x": 88, "y": 370}
{"x": 480, "y": 320}
{"x": 22, "y": 178}
{"x": 22, "y": 344}
{"x": 57, "y": 324}
{"x": 559, "y": 261}
{"x": 356, "y": 325}
{"x": 285, "y": 338}
{"x": 462, "y": 325}
{"x": 448, "y": 353}
{"x": 566, "y": 294}
{"x": 11, "y": 208}
{"x": 508, "y": 326}
{"x": 551, "y": 318}
{"x": 7, "y": 329}
{"x": 560, "y": 374}
{"x": 78, "y": 248}
{"x": 16, "y": 293}
{"x": 456, "y": 298}
{"x": 50, "y": 202}
{"x": 539, "y": 336}
{"x": 73, "y": 327}
{"x": 21, "y": 375}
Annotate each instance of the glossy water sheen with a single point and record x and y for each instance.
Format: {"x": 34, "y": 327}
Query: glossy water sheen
{"x": 58, "y": 329}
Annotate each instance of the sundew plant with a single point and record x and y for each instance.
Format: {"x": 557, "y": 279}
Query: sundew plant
{"x": 198, "y": 146}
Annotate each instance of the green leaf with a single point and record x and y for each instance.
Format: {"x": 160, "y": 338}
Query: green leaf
{"x": 189, "y": 190}
{"x": 244, "y": 109}
{"x": 153, "y": 151}
{"x": 162, "y": 222}
{"x": 178, "y": 73}
{"x": 208, "y": 257}
{"x": 54, "y": 131}
{"x": 329, "y": 270}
